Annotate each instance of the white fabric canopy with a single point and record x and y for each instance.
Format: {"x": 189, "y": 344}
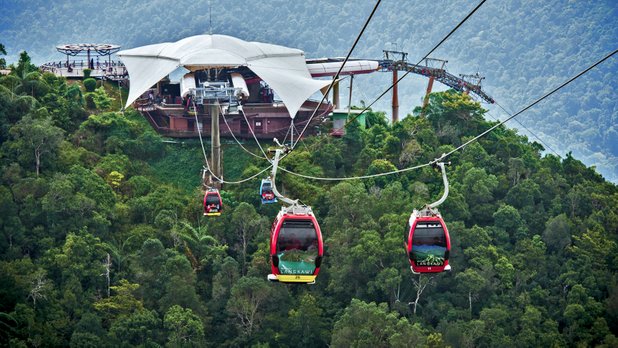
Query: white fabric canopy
{"x": 283, "y": 68}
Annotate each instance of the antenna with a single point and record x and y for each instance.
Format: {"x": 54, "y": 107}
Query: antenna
{"x": 210, "y": 15}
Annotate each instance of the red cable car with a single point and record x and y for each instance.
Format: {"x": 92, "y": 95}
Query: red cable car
{"x": 428, "y": 244}
{"x": 212, "y": 203}
{"x": 296, "y": 248}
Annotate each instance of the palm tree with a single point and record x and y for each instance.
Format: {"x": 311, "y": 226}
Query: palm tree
{"x": 204, "y": 244}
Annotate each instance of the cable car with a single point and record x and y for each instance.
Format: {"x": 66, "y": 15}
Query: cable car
{"x": 212, "y": 203}
{"x": 296, "y": 248}
{"x": 266, "y": 192}
{"x": 428, "y": 242}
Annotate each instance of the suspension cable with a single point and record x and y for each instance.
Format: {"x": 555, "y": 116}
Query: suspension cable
{"x": 469, "y": 141}
{"x": 529, "y": 131}
{"x": 237, "y": 141}
{"x": 358, "y": 177}
{"x": 253, "y": 133}
{"x": 532, "y": 104}
{"x": 437, "y": 159}
{"x": 419, "y": 62}
{"x": 338, "y": 72}
{"x": 199, "y": 132}
{"x": 248, "y": 178}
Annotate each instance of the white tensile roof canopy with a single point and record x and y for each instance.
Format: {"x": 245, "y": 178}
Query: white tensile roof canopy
{"x": 283, "y": 68}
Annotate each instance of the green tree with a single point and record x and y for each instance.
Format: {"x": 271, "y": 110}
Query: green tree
{"x": 471, "y": 282}
{"x": 372, "y": 325}
{"x": 184, "y": 327}
{"x": 140, "y": 328}
{"x": 35, "y": 141}
{"x": 24, "y": 65}
{"x": 179, "y": 285}
{"x": 246, "y": 303}
{"x": 122, "y": 303}
{"x": 101, "y": 99}
{"x": 90, "y": 84}
{"x": 557, "y": 234}
{"x": 507, "y": 219}
{"x": 306, "y": 325}
{"x": 246, "y": 224}
{"x": 2, "y": 60}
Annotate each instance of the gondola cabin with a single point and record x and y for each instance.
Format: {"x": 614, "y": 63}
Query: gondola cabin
{"x": 428, "y": 243}
{"x": 212, "y": 203}
{"x": 296, "y": 247}
{"x": 266, "y": 192}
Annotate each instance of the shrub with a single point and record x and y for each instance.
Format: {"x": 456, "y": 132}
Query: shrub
{"x": 87, "y": 73}
{"x": 89, "y": 98}
{"x": 90, "y": 84}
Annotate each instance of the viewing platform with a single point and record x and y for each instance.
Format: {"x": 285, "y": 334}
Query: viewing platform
{"x": 104, "y": 70}
{"x": 74, "y": 65}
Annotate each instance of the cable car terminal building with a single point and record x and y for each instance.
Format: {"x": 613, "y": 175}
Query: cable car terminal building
{"x": 254, "y": 85}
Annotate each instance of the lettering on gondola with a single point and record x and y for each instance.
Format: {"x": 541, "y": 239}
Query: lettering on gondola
{"x": 430, "y": 261}
{"x": 296, "y": 271}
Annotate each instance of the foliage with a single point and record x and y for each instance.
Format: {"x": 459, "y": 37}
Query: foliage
{"x": 107, "y": 245}
{"x": 90, "y": 84}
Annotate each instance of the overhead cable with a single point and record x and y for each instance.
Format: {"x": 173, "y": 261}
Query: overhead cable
{"x": 238, "y": 142}
{"x": 419, "y": 62}
{"x": 441, "y": 158}
{"x": 338, "y": 72}
{"x": 532, "y": 104}
{"x": 529, "y": 131}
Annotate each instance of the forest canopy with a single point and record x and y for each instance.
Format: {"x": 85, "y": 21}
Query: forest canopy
{"x": 103, "y": 242}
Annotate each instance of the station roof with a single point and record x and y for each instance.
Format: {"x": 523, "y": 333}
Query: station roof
{"x": 283, "y": 68}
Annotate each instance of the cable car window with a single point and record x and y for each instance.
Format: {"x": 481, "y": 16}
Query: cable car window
{"x": 212, "y": 199}
{"x": 266, "y": 187}
{"x": 297, "y": 247}
{"x": 429, "y": 234}
{"x": 429, "y": 244}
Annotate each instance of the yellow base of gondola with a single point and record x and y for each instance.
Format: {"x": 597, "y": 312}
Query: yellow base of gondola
{"x": 295, "y": 278}
{"x": 212, "y": 214}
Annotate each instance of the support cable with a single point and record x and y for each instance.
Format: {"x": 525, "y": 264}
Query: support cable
{"x": 445, "y": 194}
{"x": 252, "y": 133}
{"x": 207, "y": 167}
{"x": 237, "y": 141}
{"x": 338, "y": 72}
{"x": 419, "y": 62}
{"x": 199, "y": 133}
{"x": 273, "y": 177}
{"x": 531, "y": 105}
{"x": 529, "y": 131}
{"x": 437, "y": 160}
{"x": 357, "y": 177}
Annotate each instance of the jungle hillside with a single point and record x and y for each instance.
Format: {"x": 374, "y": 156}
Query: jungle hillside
{"x": 523, "y": 48}
{"x": 103, "y": 242}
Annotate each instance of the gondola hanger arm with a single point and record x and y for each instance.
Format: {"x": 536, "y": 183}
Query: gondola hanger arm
{"x": 273, "y": 175}
{"x": 445, "y": 180}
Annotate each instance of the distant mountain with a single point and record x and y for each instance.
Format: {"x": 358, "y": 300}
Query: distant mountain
{"x": 523, "y": 48}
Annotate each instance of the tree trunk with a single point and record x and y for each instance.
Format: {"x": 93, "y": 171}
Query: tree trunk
{"x": 195, "y": 264}
{"x": 244, "y": 253}
{"x": 108, "y": 266}
{"x": 37, "y": 156}
{"x": 470, "y": 302}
